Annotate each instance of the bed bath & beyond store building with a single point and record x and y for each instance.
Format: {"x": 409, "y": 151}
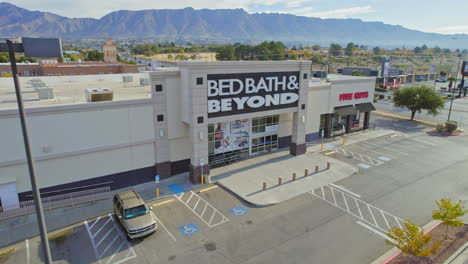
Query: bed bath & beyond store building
{"x": 200, "y": 115}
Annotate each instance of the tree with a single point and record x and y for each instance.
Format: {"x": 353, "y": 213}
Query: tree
{"x": 447, "y": 51}
{"x": 356, "y": 73}
{"x": 316, "y": 47}
{"x": 4, "y": 57}
{"x": 423, "y": 47}
{"x": 349, "y": 49}
{"x": 417, "y": 50}
{"x": 335, "y": 49}
{"x": 437, "y": 49}
{"x": 412, "y": 241}
{"x": 94, "y": 55}
{"x": 317, "y": 59}
{"x": 449, "y": 213}
{"x": 60, "y": 59}
{"x": 418, "y": 98}
{"x": 451, "y": 80}
{"x": 376, "y": 50}
{"x": 226, "y": 53}
{"x": 464, "y": 52}
{"x": 292, "y": 55}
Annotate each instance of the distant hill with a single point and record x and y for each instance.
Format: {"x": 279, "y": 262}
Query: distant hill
{"x": 217, "y": 26}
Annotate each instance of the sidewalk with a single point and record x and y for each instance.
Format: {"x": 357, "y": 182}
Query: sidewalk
{"x": 246, "y": 178}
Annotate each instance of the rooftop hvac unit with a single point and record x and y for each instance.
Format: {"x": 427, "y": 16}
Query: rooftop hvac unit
{"x": 127, "y": 78}
{"x": 99, "y": 94}
{"x": 144, "y": 81}
{"x": 45, "y": 93}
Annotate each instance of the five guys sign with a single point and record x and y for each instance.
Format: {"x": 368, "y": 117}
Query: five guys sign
{"x": 351, "y": 96}
{"x": 231, "y": 94}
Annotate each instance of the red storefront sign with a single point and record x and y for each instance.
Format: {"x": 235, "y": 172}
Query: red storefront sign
{"x": 351, "y": 96}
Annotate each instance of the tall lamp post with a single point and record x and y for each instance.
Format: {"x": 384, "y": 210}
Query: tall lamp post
{"x": 455, "y": 85}
{"x": 32, "y": 47}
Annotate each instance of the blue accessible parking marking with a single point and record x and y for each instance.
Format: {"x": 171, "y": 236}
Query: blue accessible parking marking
{"x": 189, "y": 229}
{"x": 176, "y": 188}
{"x": 330, "y": 146}
{"x": 238, "y": 211}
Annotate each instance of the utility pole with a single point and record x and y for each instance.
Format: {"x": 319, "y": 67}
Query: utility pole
{"x": 32, "y": 48}
{"x": 455, "y": 85}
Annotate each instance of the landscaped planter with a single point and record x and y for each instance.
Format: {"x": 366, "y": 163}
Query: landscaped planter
{"x": 458, "y": 236}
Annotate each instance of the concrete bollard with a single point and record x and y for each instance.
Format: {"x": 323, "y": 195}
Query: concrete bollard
{"x": 306, "y": 172}
{"x": 328, "y": 165}
{"x": 157, "y": 192}
{"x": 294, "y": 176}
{"x": 264, "y": 186}
{"x": 316, "y": 169}
{"x": 280, "y": 180}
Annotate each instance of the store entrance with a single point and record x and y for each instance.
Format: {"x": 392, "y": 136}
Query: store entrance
{"x": 264, "y": 134}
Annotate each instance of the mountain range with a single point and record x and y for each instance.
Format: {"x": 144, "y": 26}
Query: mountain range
{"x": 217, "y": 26}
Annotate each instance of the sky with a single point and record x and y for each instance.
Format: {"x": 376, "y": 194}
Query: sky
{"x": 447, "y": 17}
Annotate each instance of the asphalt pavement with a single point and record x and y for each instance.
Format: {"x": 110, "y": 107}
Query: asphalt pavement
{"x": 402, "y": 173}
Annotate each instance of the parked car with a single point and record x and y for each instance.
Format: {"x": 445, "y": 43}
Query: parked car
{"x": 442, "y": 80}
{"x": 134, "y": 215}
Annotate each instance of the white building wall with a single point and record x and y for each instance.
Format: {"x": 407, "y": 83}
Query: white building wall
{"x": 77, "y": 142}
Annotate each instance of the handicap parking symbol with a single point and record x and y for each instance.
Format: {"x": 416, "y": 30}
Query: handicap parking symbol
{"x": 189, "y": 229}
{"x": 238, "y": 211}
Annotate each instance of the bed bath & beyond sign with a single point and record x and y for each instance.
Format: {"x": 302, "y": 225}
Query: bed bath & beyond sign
{"x": 230, "y": 94}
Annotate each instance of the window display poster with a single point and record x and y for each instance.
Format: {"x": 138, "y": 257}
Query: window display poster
{"x": 231, "y": 136}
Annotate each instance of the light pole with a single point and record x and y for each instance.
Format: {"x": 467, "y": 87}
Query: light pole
{"x": 455, "y": 85}
{"x": 32, "y": 48}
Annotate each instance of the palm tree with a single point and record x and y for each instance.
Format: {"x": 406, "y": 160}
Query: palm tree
{"x": 451, "y": 80}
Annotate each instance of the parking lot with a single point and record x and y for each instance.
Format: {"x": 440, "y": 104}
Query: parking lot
{"x": 378, "y": 151}
{"x": 341, "y": 223}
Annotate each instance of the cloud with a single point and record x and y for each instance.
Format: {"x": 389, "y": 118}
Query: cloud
{"x": 336, "y": 13}
{"x": 460, "y": 29}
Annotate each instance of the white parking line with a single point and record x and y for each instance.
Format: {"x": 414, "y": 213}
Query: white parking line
{"x": 402, "y": 153}
{"x": 92, "y": 241}
{"x": 97, "y": 220}
{"x": 99, "y": 230}
{"x": 373, "y": 230}
{"x": 193, "y": 209}
{"x": 393, "y": 144}
{"x": 380, "y": 153}
{"x": 345, "y": 190}
{"x": 161, "y": 224}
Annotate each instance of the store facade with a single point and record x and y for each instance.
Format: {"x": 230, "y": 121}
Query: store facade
{"x": 208, "y": 115}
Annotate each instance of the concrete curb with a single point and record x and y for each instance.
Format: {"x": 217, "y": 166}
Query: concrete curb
{"x": 456, "y": 254}
{"x": 395, "y": 252}
{"x": 403, "y": 117}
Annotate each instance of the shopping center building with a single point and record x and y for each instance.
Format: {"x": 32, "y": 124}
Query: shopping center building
{"x": 200, "y": 115}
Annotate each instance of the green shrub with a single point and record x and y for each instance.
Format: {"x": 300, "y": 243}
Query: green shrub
{"x": 451, "y": 126}
{"x": 381, "y": 96}
{"x": 380, "y": 90}
{"x": 440, "y": 128}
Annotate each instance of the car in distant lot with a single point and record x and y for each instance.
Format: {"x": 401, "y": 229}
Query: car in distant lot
{"x": 442, "y": 80}
{"x": 134, "y": 215}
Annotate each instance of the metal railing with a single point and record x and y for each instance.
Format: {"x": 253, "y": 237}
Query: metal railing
{"x": 57, "y": 201}
{"x": 227, "y": 160}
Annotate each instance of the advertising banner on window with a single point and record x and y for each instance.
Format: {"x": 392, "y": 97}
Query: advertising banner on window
{"x": 231, "y": 94}
{"x": 231, "y": 136}
{"x": 465, "y": 68}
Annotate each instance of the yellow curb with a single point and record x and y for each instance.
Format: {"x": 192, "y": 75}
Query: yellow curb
{"x": 402, "y": 117}
{"x": 7, "y": 251}
{"x": 208, "y": 189}
{"x": 329, "y": 153}
{"x": 63, "y": 233}
{"x": 163, "y": 202}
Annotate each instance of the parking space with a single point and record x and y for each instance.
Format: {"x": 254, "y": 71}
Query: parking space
{"x": 377, "y": 151}
{"x": 109, "y": 242}
{"x": 206, "y": 212}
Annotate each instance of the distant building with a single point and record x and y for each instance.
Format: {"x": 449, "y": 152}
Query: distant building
{"x": 54, "y": 68}
{"x": 110, "y": 51}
